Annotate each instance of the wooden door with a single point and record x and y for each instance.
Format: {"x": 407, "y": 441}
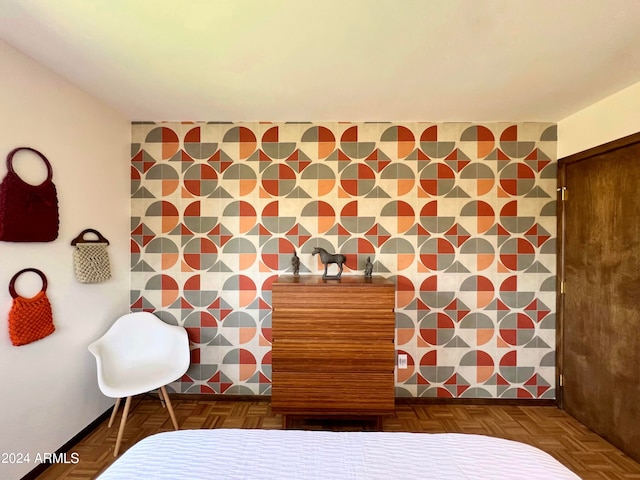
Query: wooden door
{"x": 599, "y": 351}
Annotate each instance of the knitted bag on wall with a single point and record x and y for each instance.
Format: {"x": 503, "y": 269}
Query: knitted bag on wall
{"x": 30, "y": 319}
{"x": 91, "y": 262}
{"x": 28, "y": 213}
{"x": 90, "y": 258}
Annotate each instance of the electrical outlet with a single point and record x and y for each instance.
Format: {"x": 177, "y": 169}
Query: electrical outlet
{"x": 402, "y": 360}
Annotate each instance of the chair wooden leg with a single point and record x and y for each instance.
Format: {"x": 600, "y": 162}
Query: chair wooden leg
{"x": 115, "y": 411}
{"x": 169, "y": 407}
{"x": 127, "y": 403}
{"x": 161, "y": 398}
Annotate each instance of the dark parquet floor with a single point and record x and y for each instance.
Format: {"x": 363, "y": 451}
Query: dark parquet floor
{"x": 547, "y": 428}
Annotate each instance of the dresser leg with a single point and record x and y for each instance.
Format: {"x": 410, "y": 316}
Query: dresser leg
{"x": 379, "y": 423}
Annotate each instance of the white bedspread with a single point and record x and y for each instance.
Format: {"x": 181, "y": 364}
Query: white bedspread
{"x": 301, "y": 455}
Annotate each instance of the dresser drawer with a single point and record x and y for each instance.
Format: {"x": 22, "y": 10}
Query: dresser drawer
{"x": 301, "y": 356}
{"x": 332, "y": 393}
{"x": 333, "y": 324}
{"x": 346, "y": 297}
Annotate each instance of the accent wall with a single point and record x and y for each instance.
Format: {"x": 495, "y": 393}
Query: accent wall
{"x": 462, "y": 216}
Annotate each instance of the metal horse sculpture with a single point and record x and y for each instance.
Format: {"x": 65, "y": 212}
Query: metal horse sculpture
{"x": 327, "y": 258}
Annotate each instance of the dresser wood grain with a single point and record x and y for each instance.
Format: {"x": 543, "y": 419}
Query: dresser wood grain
{"x": 333, "y": 352}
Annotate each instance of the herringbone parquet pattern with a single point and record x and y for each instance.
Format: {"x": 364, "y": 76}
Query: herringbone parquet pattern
{"x": 547, "y": 428}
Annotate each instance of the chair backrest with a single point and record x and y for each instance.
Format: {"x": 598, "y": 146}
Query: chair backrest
{"x": 141, "y": 337}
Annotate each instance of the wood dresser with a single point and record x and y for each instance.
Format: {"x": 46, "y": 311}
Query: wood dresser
{"x": 333, "y": 351}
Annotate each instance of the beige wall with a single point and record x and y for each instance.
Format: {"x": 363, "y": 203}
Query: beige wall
{"x": 49, "y": 390}
{"x": 611, "y": 118}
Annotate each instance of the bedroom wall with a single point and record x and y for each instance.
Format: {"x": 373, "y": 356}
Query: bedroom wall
{"x": 609, "y": 119}
{"x": 49, "y": 388}
{"x": 460, "y": 215}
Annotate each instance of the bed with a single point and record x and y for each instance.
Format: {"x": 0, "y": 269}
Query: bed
{"x": 250, "y": 454}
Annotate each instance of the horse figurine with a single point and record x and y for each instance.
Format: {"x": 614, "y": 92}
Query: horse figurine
{"x": 327, "y": 258}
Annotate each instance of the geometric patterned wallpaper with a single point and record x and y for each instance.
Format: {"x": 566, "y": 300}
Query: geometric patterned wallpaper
{"x": 461, "y": 216}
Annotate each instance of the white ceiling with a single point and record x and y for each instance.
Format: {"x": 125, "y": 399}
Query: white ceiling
{"x": 333, "y": 60}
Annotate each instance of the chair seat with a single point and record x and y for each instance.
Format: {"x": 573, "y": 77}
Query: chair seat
{"x": 140, "y": 353}
{"x": 129, "y": 381}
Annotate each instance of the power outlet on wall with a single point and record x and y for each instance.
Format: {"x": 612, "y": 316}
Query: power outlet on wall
{"x": 402, "y": 360}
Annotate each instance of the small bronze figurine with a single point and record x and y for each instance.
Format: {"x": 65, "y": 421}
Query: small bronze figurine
{"x": 327, "y": 258}
{"x": 295, "y": 263}
{"x": 368, "y": 268}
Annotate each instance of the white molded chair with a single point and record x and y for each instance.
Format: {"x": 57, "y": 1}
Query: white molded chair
{"x": 140, "y": 353}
